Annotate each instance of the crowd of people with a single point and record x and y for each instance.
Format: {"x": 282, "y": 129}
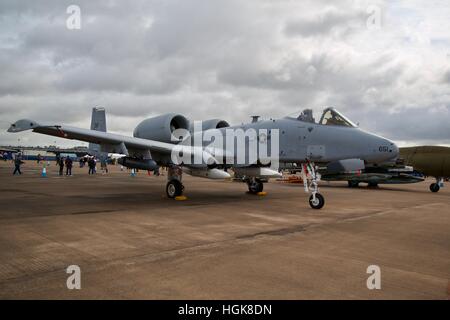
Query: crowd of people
{"x": 91, "y": 162}
{"x": 5, "y": 156}
{"x": 63, "y": 163}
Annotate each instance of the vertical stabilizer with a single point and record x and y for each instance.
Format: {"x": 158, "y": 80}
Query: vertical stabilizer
{"x": 98, "y": 123}
{"x": 98, "y": 120}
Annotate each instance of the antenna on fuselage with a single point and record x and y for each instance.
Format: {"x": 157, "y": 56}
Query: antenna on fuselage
{"x": 255, "y": 119}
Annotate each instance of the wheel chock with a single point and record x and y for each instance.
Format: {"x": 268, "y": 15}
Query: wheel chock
{"x": 181, "y": 198}
{"x": 262, "y": 194}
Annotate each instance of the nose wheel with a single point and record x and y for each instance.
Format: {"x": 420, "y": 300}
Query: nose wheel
{"x": 316, "y": 201}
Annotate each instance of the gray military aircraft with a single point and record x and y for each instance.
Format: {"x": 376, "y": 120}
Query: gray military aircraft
{"x": 333, "y": 141}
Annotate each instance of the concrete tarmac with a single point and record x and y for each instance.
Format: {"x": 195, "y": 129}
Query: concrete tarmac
{"x": 131, "y": 242}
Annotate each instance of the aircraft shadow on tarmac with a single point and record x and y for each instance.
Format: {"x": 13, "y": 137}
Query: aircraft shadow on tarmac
{"x": 195, "y": 197}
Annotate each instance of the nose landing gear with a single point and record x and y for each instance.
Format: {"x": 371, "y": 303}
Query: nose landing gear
{"x": 310, "y": 182}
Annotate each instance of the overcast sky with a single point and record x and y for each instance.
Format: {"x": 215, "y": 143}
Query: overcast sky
{"x": 227, "y": 59}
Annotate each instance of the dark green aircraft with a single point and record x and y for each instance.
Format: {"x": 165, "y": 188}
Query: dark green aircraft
{"x": 431, "y": 161}
{"x": 412, "y": 165}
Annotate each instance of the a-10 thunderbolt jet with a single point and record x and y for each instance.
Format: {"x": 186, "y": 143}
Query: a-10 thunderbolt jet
{"x": 254, "y": 151}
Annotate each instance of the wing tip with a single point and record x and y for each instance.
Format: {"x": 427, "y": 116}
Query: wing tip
{"x": 23, "y": 125}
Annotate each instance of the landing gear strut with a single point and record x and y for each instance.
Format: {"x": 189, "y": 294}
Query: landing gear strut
{"x": 174, "y": 187}
{"x": 255, "y": 186}
{"x": 310, "y": 182}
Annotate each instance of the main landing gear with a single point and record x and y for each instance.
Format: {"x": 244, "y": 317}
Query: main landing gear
{"x": 435, "y": 187}
{"x": 255, "y": 186}
{"x": 310, "y": 181}
{"x": 353, "y": 184}
{"x": 174, "y": 187}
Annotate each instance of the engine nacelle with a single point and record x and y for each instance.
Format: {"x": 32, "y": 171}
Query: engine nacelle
{"x": 212, "y": 124}
{"x": 134, "y": 163}
{"x": 160, "y": 128}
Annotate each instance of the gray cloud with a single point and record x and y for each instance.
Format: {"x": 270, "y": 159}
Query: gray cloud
{"x": 227, "y": 59}
{"x": 329, "y": 21}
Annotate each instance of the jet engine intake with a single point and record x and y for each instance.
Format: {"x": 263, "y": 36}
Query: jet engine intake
{"x": 161, "y": 128}
{"x": 212, "y": 124}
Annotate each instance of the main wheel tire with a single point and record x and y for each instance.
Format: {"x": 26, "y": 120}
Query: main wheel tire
{"x": 434, "y": 187}
{"x": 174, "y": 188}
{"x": 318, "y": 203}
{"x": 255, "y": 187}
{"x": 372, "y": 185}
{"x": 353, "y": 184}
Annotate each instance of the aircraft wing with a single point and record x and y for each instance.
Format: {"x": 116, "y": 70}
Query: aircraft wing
{"x": 114, "y": 143}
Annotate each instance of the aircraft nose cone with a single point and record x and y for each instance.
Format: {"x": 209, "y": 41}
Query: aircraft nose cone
{"x": 392, "y": 149}
{"x": 395, "y": 150}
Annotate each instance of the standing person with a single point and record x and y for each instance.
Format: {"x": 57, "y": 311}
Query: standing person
{"x": 104, "y": 165}
{"x": 17, "y": 163}
{"x": 61, "y": 165}
{"x": 38, "y": 158}
{"x": 69, "y": 164}
{"x": 91, "y": 164}
{"x": 95, "y": 165}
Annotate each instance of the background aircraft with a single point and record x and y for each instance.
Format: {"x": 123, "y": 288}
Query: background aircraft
{"x": 333, "y": 141}
{"x": 432, "y": 161}
{"x": 413, "y": 164}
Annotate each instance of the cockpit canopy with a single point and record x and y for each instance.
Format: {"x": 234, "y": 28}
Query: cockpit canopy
{"x": 330, "y": 117}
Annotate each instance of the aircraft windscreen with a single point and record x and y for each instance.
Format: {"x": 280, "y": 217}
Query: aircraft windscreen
{"x": 332, "y": 117}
